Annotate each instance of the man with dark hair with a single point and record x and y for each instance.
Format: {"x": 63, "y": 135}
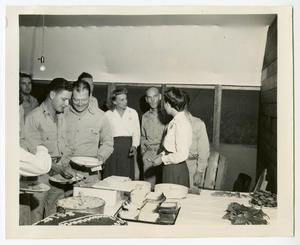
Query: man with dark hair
{"x": 84, "y": 76}
{"x": 152, "y": 129}
{"x": 45, "y": 126}
{"x": 28, "y": 101}
{"x": 88, "y": 131}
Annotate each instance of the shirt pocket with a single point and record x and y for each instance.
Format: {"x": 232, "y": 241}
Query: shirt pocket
{"x": 49, "y": 135}
{"x": 92, "y": 135}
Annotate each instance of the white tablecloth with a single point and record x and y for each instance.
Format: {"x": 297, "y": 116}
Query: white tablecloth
{"x": 206, "y": 209}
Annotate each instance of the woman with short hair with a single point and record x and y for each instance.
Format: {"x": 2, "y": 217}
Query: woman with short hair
{"x": 177, "y": 140}
{"x": 125, "y": 126}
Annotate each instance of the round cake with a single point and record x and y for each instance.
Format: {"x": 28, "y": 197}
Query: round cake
{"x": 89, "y": 204}
{"x": 80, "y": 218}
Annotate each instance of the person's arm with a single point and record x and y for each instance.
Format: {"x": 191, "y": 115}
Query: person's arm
{"x": 106, "y": 141}
{"x": 144, "y": 141}
{"x": 136, "y": 137}
{"x": 202, "y": 147}
{"x": 34, "y": 165}
{"x": 183, "y": 139}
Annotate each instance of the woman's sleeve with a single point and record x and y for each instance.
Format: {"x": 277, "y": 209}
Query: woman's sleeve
{"x": 183, "y": 141}
{"x": 136, "y": 137}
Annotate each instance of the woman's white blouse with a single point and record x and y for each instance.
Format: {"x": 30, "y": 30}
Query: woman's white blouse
{"x": 126, "y": 125}
{"x": 177, "y": 140}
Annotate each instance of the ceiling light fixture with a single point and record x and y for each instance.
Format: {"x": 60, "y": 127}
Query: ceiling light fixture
{"x": 42, "y": 58}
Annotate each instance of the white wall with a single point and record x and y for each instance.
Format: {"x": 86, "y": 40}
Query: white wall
{"x": 191, "y": 54}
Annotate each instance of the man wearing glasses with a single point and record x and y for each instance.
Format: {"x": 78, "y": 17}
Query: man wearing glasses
{"x": 88, "y": 132}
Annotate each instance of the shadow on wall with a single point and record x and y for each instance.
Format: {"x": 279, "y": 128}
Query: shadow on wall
{"x": 240, "y": 159}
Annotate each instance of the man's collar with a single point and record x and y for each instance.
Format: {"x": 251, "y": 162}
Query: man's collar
{"x": 179, "y": 115}
{"x": 46, "y": 110}
{"x": 91, "y": 109}
{"x": 157, "y": 111}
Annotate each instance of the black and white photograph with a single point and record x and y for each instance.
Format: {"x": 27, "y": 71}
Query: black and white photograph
{"x": 161, "y": 120}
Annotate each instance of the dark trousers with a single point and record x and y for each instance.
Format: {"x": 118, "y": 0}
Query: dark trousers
{"x": 176, "y": 174}
{"x": 119, "y": 163}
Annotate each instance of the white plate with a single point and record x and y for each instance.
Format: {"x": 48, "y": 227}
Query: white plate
{"x": 86, "y": 161}
{"x": 60, "y": 179}
{"x": 38, "y": 187}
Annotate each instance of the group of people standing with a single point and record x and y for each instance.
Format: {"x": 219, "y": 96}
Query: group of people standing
{"x": 173, "y": 144}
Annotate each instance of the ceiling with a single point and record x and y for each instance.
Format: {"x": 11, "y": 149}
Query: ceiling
{"x": 146, "y": 20}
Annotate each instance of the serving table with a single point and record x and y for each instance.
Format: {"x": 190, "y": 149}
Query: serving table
{"x": 208, "y": 208}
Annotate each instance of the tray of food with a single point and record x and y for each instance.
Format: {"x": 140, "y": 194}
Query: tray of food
{"x": 160, "y": 213}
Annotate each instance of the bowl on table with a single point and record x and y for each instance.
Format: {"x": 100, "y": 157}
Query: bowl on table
{"x": 172, "y": 190}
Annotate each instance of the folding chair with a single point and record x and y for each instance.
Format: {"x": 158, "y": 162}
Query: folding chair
{"x": 261, "y": 182}
{"x": 215, "y": 172}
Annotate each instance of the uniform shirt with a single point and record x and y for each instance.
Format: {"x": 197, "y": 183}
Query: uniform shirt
{"x": 34, "y": 165}
{"x": 42, "y": 129}
{"x": 152, "y": 130}
{"x": 126, "y": 125}
{"x": 29, "y": 103}
{"x": 200, "y": 142}
{"x": 88, "y": 133}
{"x": 178, "y": 139}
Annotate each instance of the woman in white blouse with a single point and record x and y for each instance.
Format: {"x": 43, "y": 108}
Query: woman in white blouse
{"x": 125, "y": 126}
{"x": 177, "y": 141}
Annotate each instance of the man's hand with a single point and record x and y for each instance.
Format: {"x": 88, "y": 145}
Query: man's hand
{"x": 64, "y": 172}
{"x": 192, "y": 156}
{"x": 198, "y": 176}
{"x": 132, "y": 151}
{"x": 67, "y": 173}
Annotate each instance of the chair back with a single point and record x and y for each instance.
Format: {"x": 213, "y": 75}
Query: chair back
{"x": 215, "y": 172}
{"x": 261, "y": 182}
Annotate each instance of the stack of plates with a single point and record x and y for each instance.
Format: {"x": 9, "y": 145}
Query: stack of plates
{"x": 61, "y": 180}
{"x": 34, "y": 187}
{"x": 89, "y": 162}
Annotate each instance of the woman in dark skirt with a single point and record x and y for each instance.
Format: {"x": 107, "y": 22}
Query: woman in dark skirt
{"x": 177, "y": 141}
{"x": 125, "y": 126}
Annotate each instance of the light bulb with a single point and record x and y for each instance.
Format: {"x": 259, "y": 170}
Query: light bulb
{"x": 42, "y": 67}
{"x": 42, "y": 60}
